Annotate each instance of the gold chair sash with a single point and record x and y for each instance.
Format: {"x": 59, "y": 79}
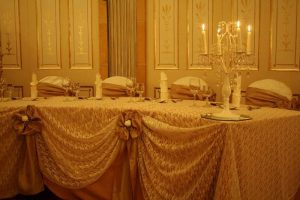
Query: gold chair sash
{"x": 113, "y": 90}
{"x": 260, "y": 97}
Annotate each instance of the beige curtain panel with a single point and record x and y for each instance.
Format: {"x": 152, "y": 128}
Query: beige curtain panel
{"x": 122, "y": 37}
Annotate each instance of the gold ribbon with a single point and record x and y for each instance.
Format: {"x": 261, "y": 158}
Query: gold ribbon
{"x": 27, "y": 123}
{"x": 260, "y": 97}
{"x": 129, "y": 129}
{"x": 113, "y": 90}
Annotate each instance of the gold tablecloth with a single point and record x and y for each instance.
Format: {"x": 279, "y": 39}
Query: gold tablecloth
{"x": 178, "y": 155}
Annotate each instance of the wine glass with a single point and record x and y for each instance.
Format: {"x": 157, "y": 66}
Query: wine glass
{"x": 130, "y": 85}
{"x": 206, "y": 93}
{"x": 66, "y": 84}
{"x": 76, "y": 89}
{"x": 194, "y": 86}
{"x": 140, "y": 88}
{"x": 10, "y": 90}
{"x": 3, "y": 86}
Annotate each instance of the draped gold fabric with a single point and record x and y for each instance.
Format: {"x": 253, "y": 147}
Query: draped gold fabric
{"x": 112, "y": 90}
{"x": 162, "y": 151}
{"x": 260, "y": 97}
{"x": 179, "y": 163}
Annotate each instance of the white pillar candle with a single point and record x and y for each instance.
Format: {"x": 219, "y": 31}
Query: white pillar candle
{"x": 249, "y": 41}
{"x": 164, "y": 94}
{"x": 219, "y": 42}
{"x": 33, "y": 78}
{"x": 239, "y": 37}
{"x": 204, "y": 39}
{"x": 98, "y": 86}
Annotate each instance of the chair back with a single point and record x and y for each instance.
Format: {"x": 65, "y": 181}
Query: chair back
{"x": 270, "y": 93}
{"x": 116, "y": 86}
{"x": 52, "y": 86}
{"x": 180, "y": 88}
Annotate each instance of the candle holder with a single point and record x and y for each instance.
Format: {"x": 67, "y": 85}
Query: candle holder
{"x": 228, "y": 57}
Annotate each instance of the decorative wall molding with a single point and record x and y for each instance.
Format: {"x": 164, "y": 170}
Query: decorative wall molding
{"x": 199, "y": 12}
{"x": 80, "y": 34}
{"x": 166, "y": 34}
{"x": 285, "y": 35}
{"x": 10, "y": 34}
{"x": 247, "y": 12}
{"x": 48, "y": 26}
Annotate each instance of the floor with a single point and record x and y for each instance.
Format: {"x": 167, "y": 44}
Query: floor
{"x": 45, "y": 195}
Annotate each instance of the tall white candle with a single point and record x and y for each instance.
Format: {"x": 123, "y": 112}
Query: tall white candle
{"x": 239, "y": 37}
{"x": 98, "y": 86}
{"x": 249, "y": 41}
{"x": 33, "y": 78}
{"x": 219, "y": 42}
{"x": 204, "y": 39}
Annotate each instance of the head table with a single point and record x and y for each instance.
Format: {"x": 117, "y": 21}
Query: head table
{"x": 119, "y": 149}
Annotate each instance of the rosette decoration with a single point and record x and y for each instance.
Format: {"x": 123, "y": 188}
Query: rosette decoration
{"x": 129, "y": 125}
{"x": 28, "y": 124}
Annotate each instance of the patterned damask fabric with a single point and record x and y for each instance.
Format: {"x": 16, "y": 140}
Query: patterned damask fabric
{"x": 180, "y": 155}
{"x": 179, "y": 163}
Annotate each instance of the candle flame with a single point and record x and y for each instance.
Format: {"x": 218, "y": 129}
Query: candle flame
{"x": 219, "y": 30}
{"x": 238, "y": 24}
{"x": 249, "y": 28}
{"x": 203, "y": 27}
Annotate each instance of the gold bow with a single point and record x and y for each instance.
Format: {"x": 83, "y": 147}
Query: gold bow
{"x": 129, "y": 125}
{"x": 26, "y": 122}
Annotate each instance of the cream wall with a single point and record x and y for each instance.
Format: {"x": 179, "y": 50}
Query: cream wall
{"x": 292, "y": 79}
{"x": 29, "y": 45}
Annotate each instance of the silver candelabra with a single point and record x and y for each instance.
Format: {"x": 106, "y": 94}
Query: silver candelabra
{"x": 229, "y": 56}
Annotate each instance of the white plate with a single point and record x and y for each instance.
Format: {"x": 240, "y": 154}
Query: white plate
{"x": 213, "y": 117}
{"x": 94, "y": 98}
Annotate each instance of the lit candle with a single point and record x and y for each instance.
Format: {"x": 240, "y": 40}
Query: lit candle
{"x": 239, "y": 37}
{"x": 204, "y": 39}
{"x": 249, "y": 41}
{"x": 219, "y": 42}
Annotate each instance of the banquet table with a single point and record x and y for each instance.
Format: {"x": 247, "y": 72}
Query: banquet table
{"x": 114, "y": 148}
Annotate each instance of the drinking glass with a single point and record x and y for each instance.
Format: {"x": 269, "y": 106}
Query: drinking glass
{"x": 206, "y": 93}
{"x": 140, "y": 88}
{"x": 3, "y": 86}
{"x": 130, "y": 85}
{"x": 66, "y": 85}
{"x": 76, "y": 89}
{"x": 194, "y": 86}
{"x": 10, "y": 90}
